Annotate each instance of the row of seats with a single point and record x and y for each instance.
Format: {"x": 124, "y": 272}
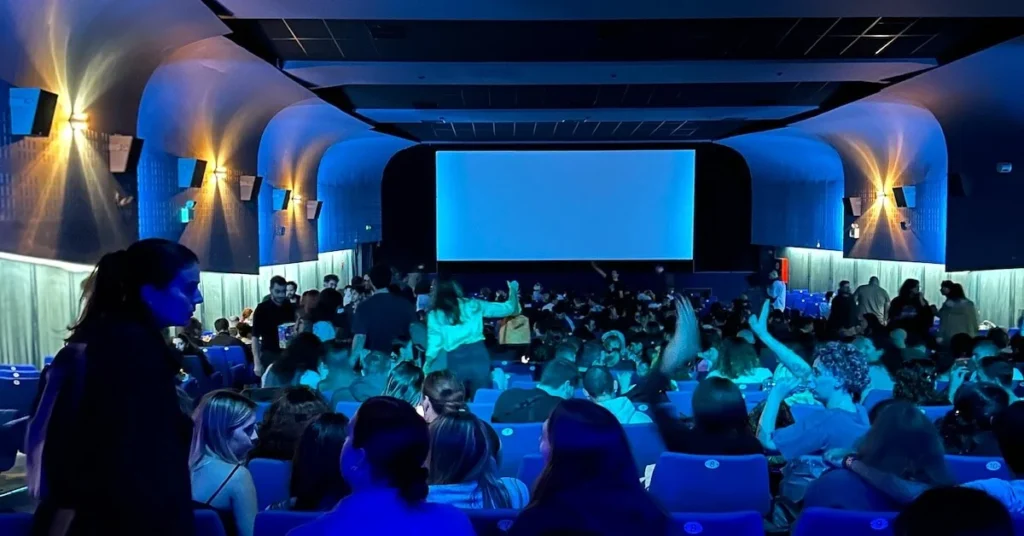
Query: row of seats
{"x": 812, "y": 522}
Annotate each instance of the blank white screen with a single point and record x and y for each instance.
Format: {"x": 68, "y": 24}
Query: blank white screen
{"x": 564, "y": 205}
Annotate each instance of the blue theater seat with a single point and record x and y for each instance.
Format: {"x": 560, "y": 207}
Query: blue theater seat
{"x": 12, "y": 374}
{"x": 15, "y": 524}
{"x": 18, "y": 393}
{"x": 645, "y": 442}
{"x": 517, "y": 441}
{"x": 279, "y": 522}
{"x": 347, "y": 409}
{"x": 970, "y": 468}
{"x": 711, "y": 484}
{"x": 935, "y": 412}
{"x": 491, "y": 522}
{"x": 19, "y": 368}
{"x": 482, "y": 410}
{"x": 486, "y": 396}
{"x": 271, "y": 479}
{"x": 825, "y": 521}
{"x": 207, "y": 524}
{"x": 682, "y": 400}
{"x": 730, "y": 524}
{"x": 530, "y": 468}
{"x": 261, "y": 409}
{"x": 874, "y": 397}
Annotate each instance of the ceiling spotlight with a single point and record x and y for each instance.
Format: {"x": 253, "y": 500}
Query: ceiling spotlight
{"x": 79, "y": 121}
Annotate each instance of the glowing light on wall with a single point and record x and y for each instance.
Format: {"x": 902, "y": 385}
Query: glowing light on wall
{"x": 79, "y": 121}
{"x": 219, "y": 173}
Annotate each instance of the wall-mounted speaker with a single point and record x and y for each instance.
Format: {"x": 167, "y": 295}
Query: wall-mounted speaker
{"x": 188, "y": 211}
{"x": 191, "y": 172}
{"x": 31, "y": 111}
{"x": 854, "y": 205}
{"x": 124, "y": 153}
{"x": 281, "y": 199}
{"x": 959, "y": 185}
{"x": 249, "y": 187}
{"x": 905, "y": 196}
{"x": 313, "y": 209}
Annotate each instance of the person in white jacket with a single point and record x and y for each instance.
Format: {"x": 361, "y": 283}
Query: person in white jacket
{"x": 602, "y": 387}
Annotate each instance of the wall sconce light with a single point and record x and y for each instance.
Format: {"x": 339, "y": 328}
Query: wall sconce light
{"x": 79, "y": 121}
{"x": 854, "y": 231}
{"x": 881, "y": 197}
{"x": 296, "y": 198}
{"x": 313, "y": 209}
{"x": 219, "y": 173}
{"x": 249, "y": 186}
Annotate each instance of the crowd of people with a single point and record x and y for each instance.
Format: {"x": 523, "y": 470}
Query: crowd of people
{"x": 414, "y": 353}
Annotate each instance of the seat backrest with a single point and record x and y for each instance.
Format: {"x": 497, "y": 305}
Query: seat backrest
{"x": 208, "y": 524}
{"x": 935, "y": 412}
{"x": 530, "y": 467}
{"x": 347, "y": 409}
{"x": 218, "y": 357}
{"x": 819, "y": 521}
{"x": 875, "y": 396}
{"x": 279, "y": 522}
{"x": 261, "y": 408}
{"x": 970, "y": 468}
{"x": 15, "y": 524}
{"x": 271, "y": 478}
{"x": 492, "y": 522}
{"x": 235, "y": 355}
{"x": 522, "y": 385}
{"x": 20, "y": 368}
{"x": 486, "y": 396}
{"x": 646, "y": 444}
{"x": 18, "y": 393}
{"x": 731, "y": 524}
{"x": 517, "y": 440}
{"x": 682, "y": 400}
{"x": 711, "y": 484}
{"x": 482, "y": 410}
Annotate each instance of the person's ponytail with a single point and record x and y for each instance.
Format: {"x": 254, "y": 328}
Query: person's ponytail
{"x": 103, "y": 292}
{"x": 412, "y": 484}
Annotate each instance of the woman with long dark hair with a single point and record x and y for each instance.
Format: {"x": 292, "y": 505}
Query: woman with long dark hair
{"x": 284, "y": 422}
{"x": 115, "y": 382}
{"x": 316, "y": 483}
{"x": 900, "y": 457}
{"x": 455, "y": 325}
{"x": 967, "y": 429}
{"x": 957, "y": 315}
{"x": 443, "y": 394}
{"x": 383, "y": 461}
{"x": 300, "y": 364}
{"x": 909, "y": 310}
{"x": 589, "y": 483}
{"x": 720, "y": 423}
{"x": 405, "y": 382}
{"x": 462, "y": 469}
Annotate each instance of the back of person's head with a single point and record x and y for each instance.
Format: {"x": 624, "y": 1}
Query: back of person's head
{"x": 590, "y": 354}
{"x": 975, "y": 406}
{"x": 903, "y": 442}
{"x": 380, "y": 276}
{"x": 999, "y": 337}
{"x": 461, "y": 452}
{"x": 873, "y": 280}
{"x": 287, "y": 416}
{"x": 327, "y": 305}
{"x": 961, "y": 345}
{"x": 244, "y": 330}
{"x": 1008, "y": 427}
{"x": 443, "y": 394}
{"x": 304, "y": 353}
{"x": 221, "y": 325}
{"x": 153, "y": 279}
{"x": 388, "y": 448}
{"x": 225, "y": 422}
{"x": 405, "y": 382}
{"x": 985, "y": 348}
{"x": 997, "y": 370}
{"x": 560, "y": 375}
{"x": 540, "y": 352}
{"x": 599, "y": 383}
{"x": 566, "y": 351}
{"x": 846, "y": 364}
{"x": 718, "y": 407}
{"x": 446, "y": 297}
{"x": 316, "y": 481}
{"x": 587, "y": 455}
{"x": 737, "y": 358}
{"x": 954, "y": 511}
{"x": 338, "y": 355}
{"x": 376, "y": 363}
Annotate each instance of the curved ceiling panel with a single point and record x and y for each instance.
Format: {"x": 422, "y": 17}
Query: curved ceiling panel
{"x": 97, "y": 55}
{"x": 212, "y": 100}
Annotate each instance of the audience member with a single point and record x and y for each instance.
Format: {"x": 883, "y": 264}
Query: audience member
{"x": 267, "y": 320}
{"x": 957, "y": 315}
{"x": 589, "y": 483}
{"x": 381, "y": 318}
{"x": 900, "y": 457}
{"x": 720, "y": 423}
{"x": 999, "y": 371}
{"x": 872, "y": 300}
{"x": 405, "y": 382}
{"x": 338, "y": 365}
{"x": 300, "y": 364}
{"x": 843, "y": 319}
{"x": 331, "y": 281}
{"x": 909, "y": 310}
{"x": 953, "y": 511}
{"x": 602, "y": 387}
{"x": 1008, "y": 427}
{"x": 967, "y": 429}
{"x": 324, "y": 318}
{"x": 455, "y": 325}
{"x": 284, "y": 421}
{"x": 879, "y": 369}
{"x": 374, "y": 378}
{"x": 738, "y": 361}
{"x": 222, "y": 337}
{"x": 462, "y": 469}
{"x": 316, "y": 484}
{"x": 443, "y": 394}
{"x": 558, "y": 381}
{"x": 383, "y": 462}
{"x": 115, "y": 380}
{"x": 225, "y": 426}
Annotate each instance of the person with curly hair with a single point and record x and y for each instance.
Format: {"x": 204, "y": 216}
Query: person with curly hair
{"x": 284, "y": 421}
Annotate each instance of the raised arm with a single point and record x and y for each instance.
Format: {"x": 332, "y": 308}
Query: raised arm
{"x": 503, "y": 309}
{"x": 685, "y": 342}
{"x": 759, "y": 325}
{"x": 598, "y": 269}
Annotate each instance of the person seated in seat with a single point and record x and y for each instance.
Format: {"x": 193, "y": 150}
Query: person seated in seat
{"x": 720, "y": 423}
{"x": 953, "y": 511}
{"x": 383, "y": 461}
{"x": 300, "y": 364}
{"x": 443, "y": 394}
{"x": 589, "y": 484}
{"x": 738, "y": 361}
{"x": 602, "y": 387}
{"x": 338, "y": 366}
{"x": 1008, "y": 427}
{"x": 558, "y": 381}
{"x": 405, "y": 382}
{"x": 967, "y": 429}
{"x": 223, "y": 337}
{"x": 899, "y": 458}
{"x": 999, "y": 371}
{"x": 462, "y": 467}
{"x": 284, "y": 421}
{"x": 225, "y": 426}
{"x": 376, "y": 366}
{"x": 316, "y": 484}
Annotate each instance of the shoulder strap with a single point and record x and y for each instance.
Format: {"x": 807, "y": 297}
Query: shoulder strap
{"x": 223, "y": 484}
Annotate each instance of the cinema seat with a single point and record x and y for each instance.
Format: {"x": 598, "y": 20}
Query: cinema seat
{"x": 271, "y": 480}
{"x": 279, "y": 522}
{"x": 819, "y": 521}
{"x": 711, "y": 484}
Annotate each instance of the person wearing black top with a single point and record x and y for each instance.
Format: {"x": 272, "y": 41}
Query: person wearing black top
{"x": 223, "y": 338}
{"x": 382, "y": 318}
{"x": 558, "y": 382}
{"x": 108, "y": 442}
{"x": 266, "y": 345}
{"x": 843, "y": 315}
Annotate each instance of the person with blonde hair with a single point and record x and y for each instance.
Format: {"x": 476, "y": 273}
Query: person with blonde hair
{"x": 225, "y": 427}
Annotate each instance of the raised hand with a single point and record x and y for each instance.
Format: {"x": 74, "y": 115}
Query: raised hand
{"x": 759, "y": 323}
